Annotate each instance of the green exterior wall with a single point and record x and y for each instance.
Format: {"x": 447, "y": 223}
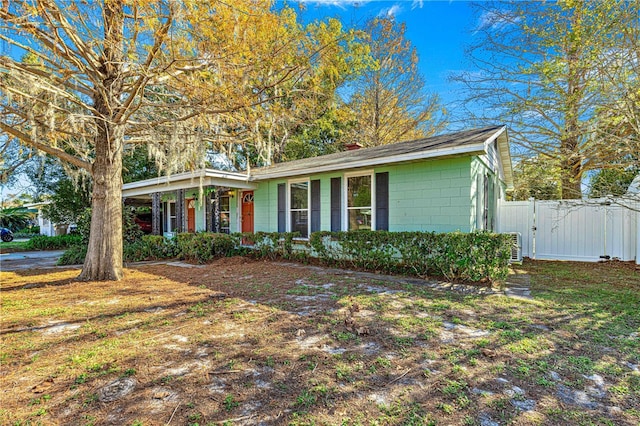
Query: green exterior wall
{"x": 430, "y": 195}
{"x": 441, "y": 195}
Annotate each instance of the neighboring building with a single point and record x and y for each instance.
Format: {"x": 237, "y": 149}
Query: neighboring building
{"x": 47, "y": 227}
{"x": 443, "y": 183}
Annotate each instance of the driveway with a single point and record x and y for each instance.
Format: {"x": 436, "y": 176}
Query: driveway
{"x": 29, "y": 260}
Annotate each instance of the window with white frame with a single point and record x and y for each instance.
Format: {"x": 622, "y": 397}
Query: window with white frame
{"x": 224, "y": 213}
{"x": 360, "y": 202}
{"x": 170, "y": 217}
{"x": 299, "y": 207}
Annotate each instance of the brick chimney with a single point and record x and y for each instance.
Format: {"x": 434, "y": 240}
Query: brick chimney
{"x": 353, "y": 146}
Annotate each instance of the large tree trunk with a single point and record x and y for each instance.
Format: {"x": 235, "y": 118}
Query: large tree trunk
{"x": 104, "y": 254}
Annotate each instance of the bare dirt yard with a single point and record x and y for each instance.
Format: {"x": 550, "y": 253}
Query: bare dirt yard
{"x": 244, "y": 342}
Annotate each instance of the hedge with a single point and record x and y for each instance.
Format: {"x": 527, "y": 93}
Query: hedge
{"x": 43, "y": 242}
{"x": 476, "y": 256}
{"x": 150, "y": 247}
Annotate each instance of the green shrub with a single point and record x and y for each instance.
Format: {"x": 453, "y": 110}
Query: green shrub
{"x": 476, "y": 256}
{"x": 27, "y": 232}
{"x": 130, "y": 230}
{"x": 204, "y": 246}
{"x": 150, "y": 247}
{"x": 43, "y": 242}
{"x": 74, "y": 255}
{"x": 268, "y": 245}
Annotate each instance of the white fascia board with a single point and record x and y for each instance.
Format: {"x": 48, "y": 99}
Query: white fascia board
{"x": 188, "y": 180}
{"x": 400, "y": 158}
{"x": 505, "y": 159}
{"x": 37, "y": 205}
{"x": 505, "y": 155}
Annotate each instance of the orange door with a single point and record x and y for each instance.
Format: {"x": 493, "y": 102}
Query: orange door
{"x": 247, "y": 211}
{"x": 191, "y": 215}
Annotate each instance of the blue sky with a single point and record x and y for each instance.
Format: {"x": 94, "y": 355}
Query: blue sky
{"x": 439, "y": 30}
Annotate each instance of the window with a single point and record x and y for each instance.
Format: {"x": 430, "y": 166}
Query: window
{"x": 224, "y": 214}
{"x": 359, "y": 202}
{"x": 170, "y": 208}
{"x": 299, "y": 208}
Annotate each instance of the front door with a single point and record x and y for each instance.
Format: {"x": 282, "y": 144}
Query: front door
{"x": 247, "y": 211}
{"x": 191, "y": 215}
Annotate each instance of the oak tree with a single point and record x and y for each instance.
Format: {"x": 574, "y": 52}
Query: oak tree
{"x": 113, "y": 74}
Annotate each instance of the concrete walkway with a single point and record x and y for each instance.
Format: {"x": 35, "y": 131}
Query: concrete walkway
{"x": 29, "y": 260}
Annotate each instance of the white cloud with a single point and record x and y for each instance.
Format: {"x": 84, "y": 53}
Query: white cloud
{"x": 391, "y": 11}
{"x": 417, "y": 4}
{"x": 495, "y": 19}
{"x": 337, "y": 3}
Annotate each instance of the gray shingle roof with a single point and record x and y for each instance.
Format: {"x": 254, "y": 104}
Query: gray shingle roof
{"x": 442, "y": 145}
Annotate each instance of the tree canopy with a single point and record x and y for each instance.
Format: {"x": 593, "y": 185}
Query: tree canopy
{"x": 560, "y": 75}
{"x": 86, "y": 81}
{"x": 388, "y": 100}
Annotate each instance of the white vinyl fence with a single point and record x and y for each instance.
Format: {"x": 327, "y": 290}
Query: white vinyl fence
{"x": 583, "y": 230}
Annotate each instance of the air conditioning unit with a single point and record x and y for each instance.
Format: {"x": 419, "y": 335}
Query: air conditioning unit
{"x": 516, "y": 247}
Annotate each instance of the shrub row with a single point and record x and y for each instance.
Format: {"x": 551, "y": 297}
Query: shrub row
{"x": 43, "y": 242}
{"x": 477, "y": 256}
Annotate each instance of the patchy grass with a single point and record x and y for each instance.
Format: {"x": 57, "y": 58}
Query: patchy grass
{"x": 240, "y": 341}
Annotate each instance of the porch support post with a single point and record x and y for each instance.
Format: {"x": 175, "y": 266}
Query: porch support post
{"x": 180, "y": 213}
{"x": 216, "y": 210}
{"x": 208, "y": 206}
{"x": 156, "y": 228}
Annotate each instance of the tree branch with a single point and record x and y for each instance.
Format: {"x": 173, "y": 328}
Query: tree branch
{"x": 25, "y": 139}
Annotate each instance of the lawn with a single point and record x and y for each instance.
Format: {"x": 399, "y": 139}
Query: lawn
{"x": 251, "y": 342}
{"x": 13, "y": 246}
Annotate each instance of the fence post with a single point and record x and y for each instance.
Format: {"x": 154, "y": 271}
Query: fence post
{"x": 638, "y": 236}
{"x": 531, "y": 227}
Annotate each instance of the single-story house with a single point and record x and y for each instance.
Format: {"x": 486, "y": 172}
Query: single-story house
{"x": 442, "y": 183}
{"x": 48, "y": 228}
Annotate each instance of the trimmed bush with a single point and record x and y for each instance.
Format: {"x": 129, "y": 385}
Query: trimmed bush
{"x": 204, "y": 246}
{"x": 476, "y": 256}
{"x": 269, "y": 245}
{"x": 150, "y": 247}
{"x": 43, "y": 242}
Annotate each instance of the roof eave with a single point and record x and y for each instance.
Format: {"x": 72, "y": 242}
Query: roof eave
{"x": 204, "y": 177}
{"x": 505, "y": 157}
{"x": 400, "y": 158}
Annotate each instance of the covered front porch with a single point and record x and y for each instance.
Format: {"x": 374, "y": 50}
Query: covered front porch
{"x": 210, "y": 200}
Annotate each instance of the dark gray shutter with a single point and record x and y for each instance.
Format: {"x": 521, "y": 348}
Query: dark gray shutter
{"x": 315, "y": 205}
{"x": 382, "y": 201}
{"x": 336, "y": 204}
{"x": 282, "y": 207}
